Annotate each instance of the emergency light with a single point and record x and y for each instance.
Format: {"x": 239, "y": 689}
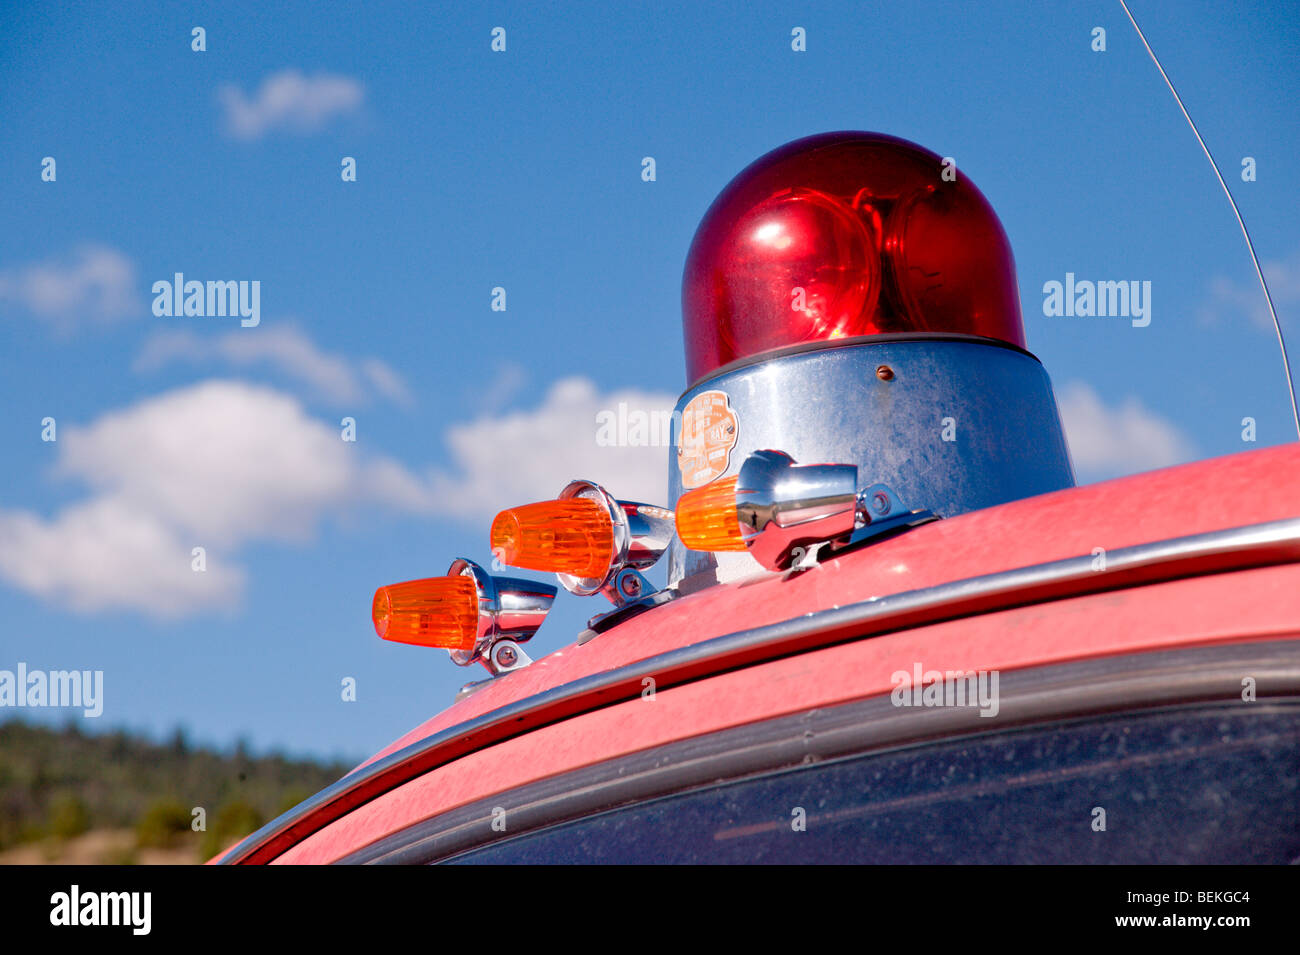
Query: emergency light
{"x": 851, "y": 297}
{"x": 848, "y": 298}
{"x": 592, "y": 542}
{"x": 474, "y": 616}
{"x": 434, "y": 612}
{"x": 779, "y": 510}
{"x": 841, "y": 236}
{"x": 574, "y": 536}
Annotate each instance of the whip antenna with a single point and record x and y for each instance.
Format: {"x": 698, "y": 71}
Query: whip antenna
{"x": 1286, "y": 363}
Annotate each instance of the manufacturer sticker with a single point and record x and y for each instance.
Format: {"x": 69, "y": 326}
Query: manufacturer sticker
{"x": 709, "y": 432}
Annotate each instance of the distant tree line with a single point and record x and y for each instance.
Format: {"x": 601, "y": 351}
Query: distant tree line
{"x": 58, "y": 783}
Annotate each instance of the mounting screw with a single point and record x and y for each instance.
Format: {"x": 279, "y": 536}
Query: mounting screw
{"x": 630, "y": 586}
{"x": 880, "y": 502}
{"x": 885, "y": 373}
{"x": 506, "y": 656}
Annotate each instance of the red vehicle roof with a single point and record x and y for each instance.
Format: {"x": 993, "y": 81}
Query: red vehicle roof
{"x": 781, "y": 643}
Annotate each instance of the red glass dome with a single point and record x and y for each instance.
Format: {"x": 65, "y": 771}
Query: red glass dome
{"x": 844, "y": 235}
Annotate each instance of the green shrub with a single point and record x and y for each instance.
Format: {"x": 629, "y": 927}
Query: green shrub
{"x": 163, "y": 826}
{"x": 235, "y": 820}
{"x": 69, "y": 817}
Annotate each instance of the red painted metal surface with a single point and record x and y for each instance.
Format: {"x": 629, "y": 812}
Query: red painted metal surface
{"x": 1248, "y": 488}
{"x": 1246, "y": 605}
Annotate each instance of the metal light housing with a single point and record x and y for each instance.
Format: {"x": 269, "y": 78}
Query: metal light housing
{"x": 511, "y": 610}
{"x": 613, "y": 539}
{"x": 473, "y": 615}
{"x": 782, "y": 505}
{"x": 782, "y": 512}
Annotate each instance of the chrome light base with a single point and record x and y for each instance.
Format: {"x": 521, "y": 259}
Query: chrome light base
{"x": 783, "y": 506}
{"x": 958, "y": 424}
{"x": 789, "y": 513}
{"x": 511, "y": 610}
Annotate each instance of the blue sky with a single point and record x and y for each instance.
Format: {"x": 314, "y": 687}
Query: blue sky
{"x": 522, "y": 170}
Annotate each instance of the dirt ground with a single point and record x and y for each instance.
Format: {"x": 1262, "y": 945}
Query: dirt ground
{"x": 101, "y": 847}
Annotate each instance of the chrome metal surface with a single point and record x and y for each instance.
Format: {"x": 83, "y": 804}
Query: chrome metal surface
{"x": 782, "y": 505}
{"x": 877, "y": 502}
{"x": 788, "y": 511}
{"x": 1258, "y": 545}
{"x": 881, "y": 513}
{"x": 503, "y": 657}
{"x": 962, "y": 424}
{"x": 510, "y": 609}
{"x": 642, "y": 533}
{"x": 506, "y": 656}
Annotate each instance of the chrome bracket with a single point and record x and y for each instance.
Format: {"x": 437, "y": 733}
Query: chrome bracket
{"x": 794, "y": 516}
{"x": 628, "y": 608}
{"x": 626, "y": 586}
{"x": 881, "y": 514}
{"x": 510, "y": 611}
{"x": 642, "y": 533}
{"x": 505, "y": 656}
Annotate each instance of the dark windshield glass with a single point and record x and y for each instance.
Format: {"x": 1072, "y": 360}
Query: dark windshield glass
{"x": 1206, "y": 785}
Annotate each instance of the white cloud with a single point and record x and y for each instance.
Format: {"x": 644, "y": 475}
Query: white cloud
{"x": 386, "y": 381}
{"x": 289, "y": 100}
{"x": 1112, "y": 440}
{"x": 287, "y": 349}
{"x": 217, "y": 465}
{"x": 223, "y": 464}
{"x": 1230, "y": 301}
{"x": 104, "y": 554}
{"x": 510, "y": 379}
{"x": 95, "y": 282}
{"x": 526, "y": 456}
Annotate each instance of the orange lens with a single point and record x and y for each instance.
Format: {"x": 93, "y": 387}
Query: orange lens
{"x": 573, "y": 536}
{"x": 436, "y": 612}
{"x": 706, "y": 517}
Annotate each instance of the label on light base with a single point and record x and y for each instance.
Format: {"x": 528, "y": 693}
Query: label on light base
{"x": 710, "y": 430}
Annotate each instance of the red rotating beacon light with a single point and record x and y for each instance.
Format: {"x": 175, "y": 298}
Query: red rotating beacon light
{"x": 840, "y": 236}
{"x": 851, "y": 298}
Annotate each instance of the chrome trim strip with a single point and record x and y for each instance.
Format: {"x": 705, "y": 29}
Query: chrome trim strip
{"x": 1256, "y": 545}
